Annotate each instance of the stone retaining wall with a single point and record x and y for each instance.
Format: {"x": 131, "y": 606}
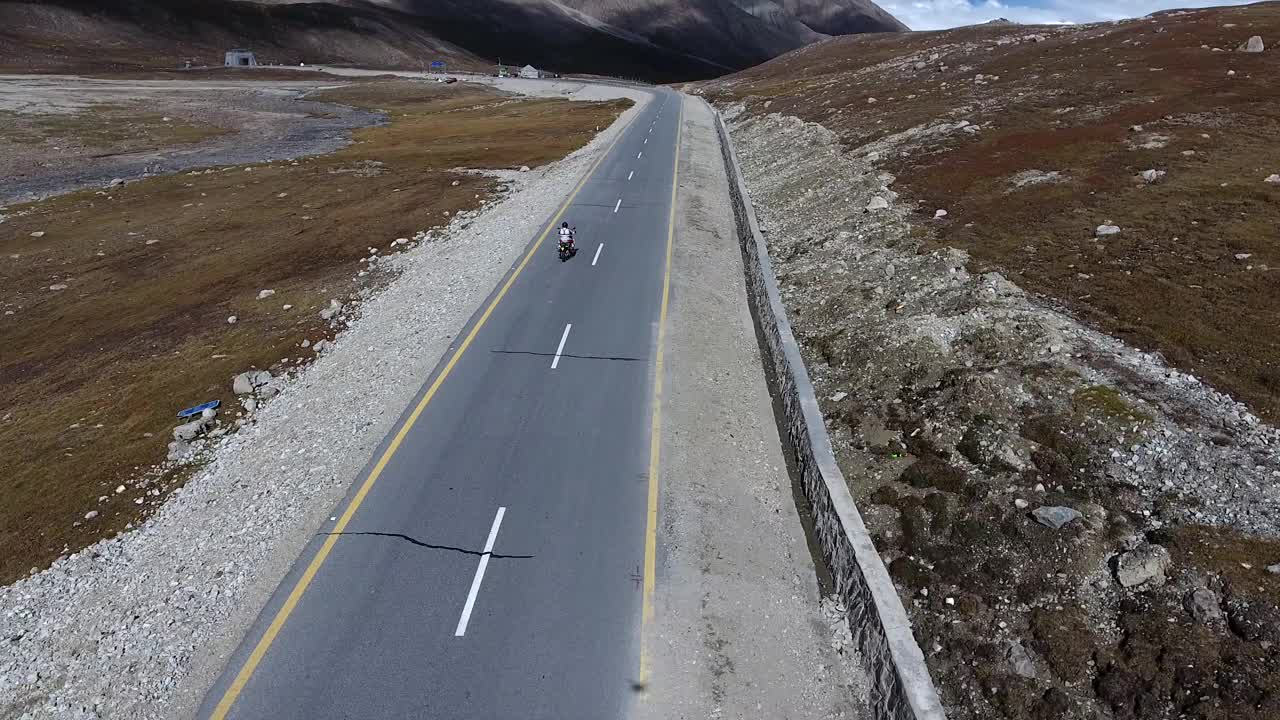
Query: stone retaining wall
{"x": 901, "y": 688}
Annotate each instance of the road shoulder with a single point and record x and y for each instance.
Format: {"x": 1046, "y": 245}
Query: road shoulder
{"x": 740, "y": 629}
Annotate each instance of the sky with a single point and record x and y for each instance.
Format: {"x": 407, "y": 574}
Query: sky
{"x": 940, "y": 14}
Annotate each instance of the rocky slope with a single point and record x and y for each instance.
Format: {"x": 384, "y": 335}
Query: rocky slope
{"x": 1032, "y": 275}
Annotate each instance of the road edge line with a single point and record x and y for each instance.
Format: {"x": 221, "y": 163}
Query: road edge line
{"x": 251, "y": 663}
{"x": 655, "y": 423}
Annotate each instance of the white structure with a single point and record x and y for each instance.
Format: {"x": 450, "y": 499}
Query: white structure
{"x": 241, "y": 58}
{"x": 529, "y": 71}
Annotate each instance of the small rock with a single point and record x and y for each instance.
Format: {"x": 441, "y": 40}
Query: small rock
{"x": 91, "y": 515}
{"x": 939, "y": 213}
{"x": 116, "y": 182}
{"x": 1151, "y": 176}
{"x": 1272, "y": 178}
{"x": 1143, "y": 566}
{"x": 455, "y": 183}
{"x": 839, "y": 396}
{"x": 1243, "y": 256}
{"x": 38, "y": 234}
{"x": 1020, "y": 503}
{"x": 1202, "y": 604}
{"x": 1274, "y": 569}
{"x": 1105, "y": 230}
{"x": 1055, "y": 516}
{"x": 306, "y": 343}
{"x": 334, "y": 308}
{"x": 119, "y": 489}
{"x": 1019, "y": 660}
{"x": 264, "y": 294}
{"x": 524, "y": 168}
{"x": 231, "y": 320}
{"x": 288, "y": 307}
{"x": 1253, "y": 45}
{"x": 1231, "y": 73}
{"x": 871, "y": 101}
{"x": 877, "y": 203}
{"x": 58, "y": 286}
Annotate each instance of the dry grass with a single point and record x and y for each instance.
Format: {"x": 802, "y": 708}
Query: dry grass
{"x": 91, "y": 376}
{"x": 1170, "y": 281}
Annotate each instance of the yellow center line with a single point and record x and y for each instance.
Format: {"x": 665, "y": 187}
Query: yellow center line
{"x": 277, "y": 623}
{"x": 655, "y": 429}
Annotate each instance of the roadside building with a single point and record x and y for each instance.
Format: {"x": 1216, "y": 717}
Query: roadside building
{"x": 241, "y": 58}
{"x": 529, "y": 71}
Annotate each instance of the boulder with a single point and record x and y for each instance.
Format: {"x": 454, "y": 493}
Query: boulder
{"x": 249, "y": 383}
{"x": 1253, "y": 45}
{"x": 190, "y": 431}
{"x": 1151, "y": 176}
{"x": 178, "y": 450}
{"x": 1272, "y": 178}
{"x": 264, "y": 294}
{"x": 877, "y": 203}
{"x": 1019, "y": 659}
{"x": 1202, "y": 604}
{"x": 1105, "y": 230}
{"x": 1055, "y": 516}
{"x": 1143, "y": 567}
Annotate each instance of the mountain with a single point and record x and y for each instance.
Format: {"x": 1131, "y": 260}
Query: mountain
{"x": 842, "y": 17}
{"x": 656, "y": 40}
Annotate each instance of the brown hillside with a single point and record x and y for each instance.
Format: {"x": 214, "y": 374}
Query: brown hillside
{"x": 1194, "y": 271}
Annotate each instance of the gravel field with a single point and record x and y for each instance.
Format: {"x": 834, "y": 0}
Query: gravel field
{"x": 269, "y": 121}
{"x": 139, "y": 625}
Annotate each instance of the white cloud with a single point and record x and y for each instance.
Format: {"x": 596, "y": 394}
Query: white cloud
{"x": 941, "y": 14}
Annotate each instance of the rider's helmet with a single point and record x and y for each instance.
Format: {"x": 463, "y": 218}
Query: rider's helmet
{"x": 564, "y": 225}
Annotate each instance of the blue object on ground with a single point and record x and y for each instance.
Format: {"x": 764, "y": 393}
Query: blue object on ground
{"x": 212, "y": 404}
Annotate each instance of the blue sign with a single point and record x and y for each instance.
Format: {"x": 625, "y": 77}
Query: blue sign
{"x": 199, "y": 409}
{"x": 437, "y": 64}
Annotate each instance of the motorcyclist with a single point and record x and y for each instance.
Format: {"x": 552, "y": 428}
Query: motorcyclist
{"x": 566, "y": 234}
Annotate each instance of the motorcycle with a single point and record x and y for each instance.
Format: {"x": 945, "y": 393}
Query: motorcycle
{"x": 565, "y": 246}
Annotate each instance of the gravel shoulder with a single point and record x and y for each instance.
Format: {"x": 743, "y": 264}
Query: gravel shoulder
{"x": 139, "y": 625}
{"x": 741, "y": 630}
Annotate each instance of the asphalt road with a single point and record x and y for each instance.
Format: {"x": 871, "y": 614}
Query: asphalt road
{"x": 495, "y": 568}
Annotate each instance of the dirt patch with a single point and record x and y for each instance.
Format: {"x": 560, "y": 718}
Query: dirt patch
{"x": 120, "y": 129}
{"x": 120, "y": 298}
